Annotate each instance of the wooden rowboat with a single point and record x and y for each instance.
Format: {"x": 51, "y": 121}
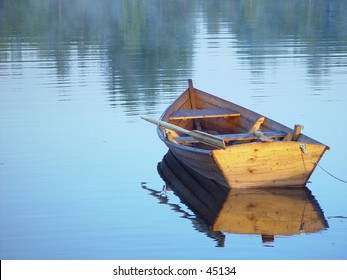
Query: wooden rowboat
{"x": 268, "y": 212}
{"x": 234, "y": 145}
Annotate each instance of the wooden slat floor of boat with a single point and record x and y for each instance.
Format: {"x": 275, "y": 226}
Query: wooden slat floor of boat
{"x": 232, "y": 137}
{"x": 203, "y": 113}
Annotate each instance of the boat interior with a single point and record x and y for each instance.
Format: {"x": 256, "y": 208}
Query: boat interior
{"x": 198, "y": 111}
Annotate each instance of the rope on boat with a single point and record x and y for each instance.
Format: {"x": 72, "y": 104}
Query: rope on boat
{"x": 303, "y": 149}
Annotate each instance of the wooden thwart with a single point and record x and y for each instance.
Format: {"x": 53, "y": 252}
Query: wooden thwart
{"x": 201, "y": 114}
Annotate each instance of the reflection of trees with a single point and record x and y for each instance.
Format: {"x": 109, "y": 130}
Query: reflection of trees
{"x": 155, "y": 46}
{"x": 146, "y": 45}
{"x": 140, "y": 42}
{"x": 314, "y": 29}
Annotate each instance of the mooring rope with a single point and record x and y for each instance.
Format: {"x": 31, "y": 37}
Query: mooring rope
{"x": 303, "y": 149}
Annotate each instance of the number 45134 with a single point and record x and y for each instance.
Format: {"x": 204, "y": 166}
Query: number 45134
{"x": 215, "y": 270}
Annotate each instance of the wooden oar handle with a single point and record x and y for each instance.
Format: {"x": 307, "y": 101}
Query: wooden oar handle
{"x": 203, "y": 137}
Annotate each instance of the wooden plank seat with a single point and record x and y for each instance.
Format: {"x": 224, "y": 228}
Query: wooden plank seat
{"x": 232, "y": 137}
{"x": 202, "y": 113}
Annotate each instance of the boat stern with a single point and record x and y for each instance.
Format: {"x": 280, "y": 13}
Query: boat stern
{"x": 275, "y": 164}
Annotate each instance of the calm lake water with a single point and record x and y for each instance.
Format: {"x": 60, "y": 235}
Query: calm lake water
{"x": 78, "y": 167}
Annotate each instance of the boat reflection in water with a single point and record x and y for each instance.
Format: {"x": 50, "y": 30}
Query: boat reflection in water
{"x": 266, "y": 212}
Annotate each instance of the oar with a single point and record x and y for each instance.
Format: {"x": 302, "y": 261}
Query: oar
{"x": 203, "y": 137}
